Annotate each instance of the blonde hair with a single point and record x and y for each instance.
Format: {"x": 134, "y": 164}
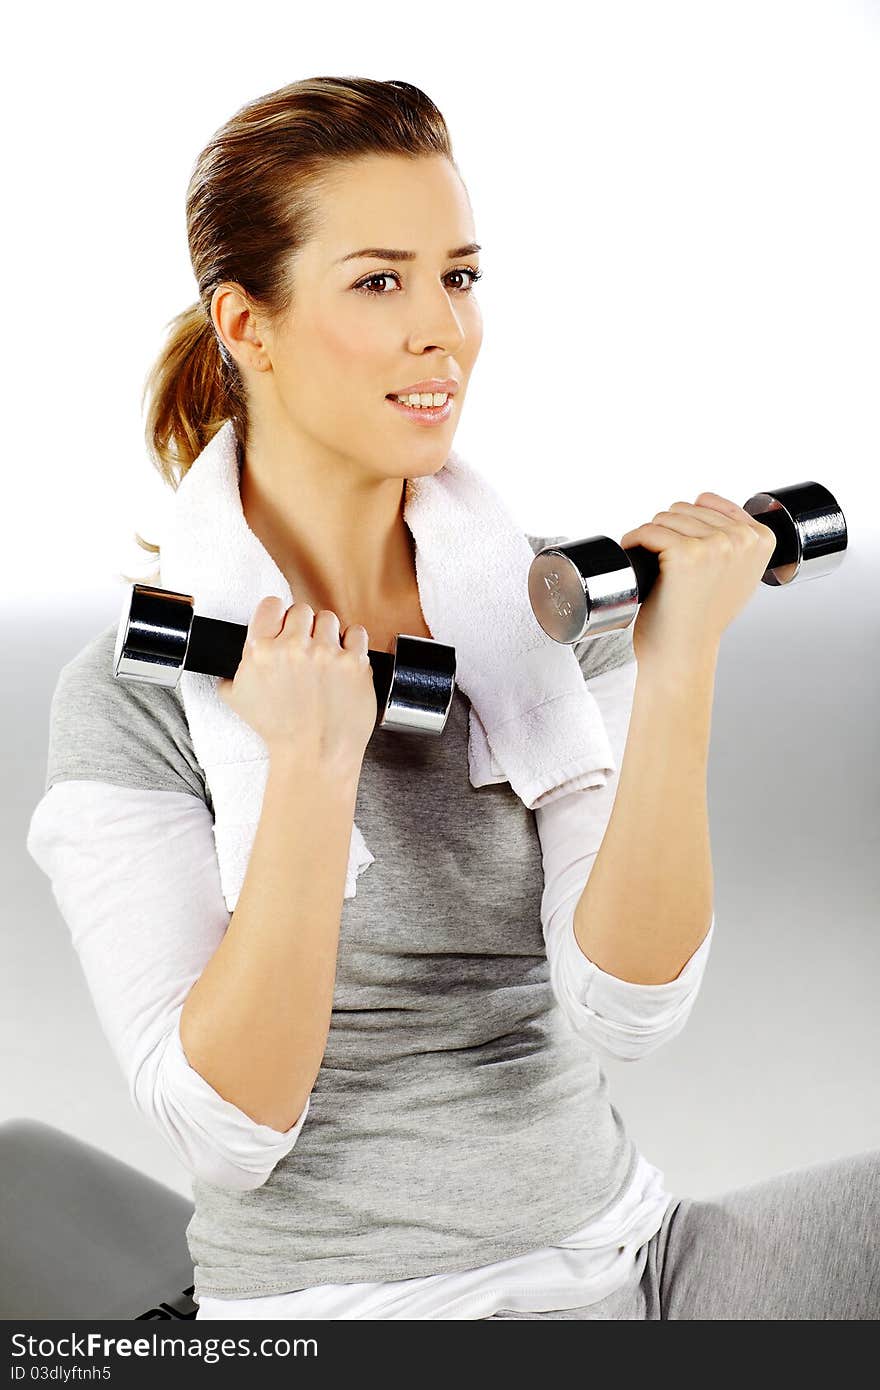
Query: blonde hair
{"x": 252, "y": 201}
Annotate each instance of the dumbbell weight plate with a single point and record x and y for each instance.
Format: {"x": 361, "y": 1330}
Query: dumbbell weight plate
{"x": 810, "y": 531}
{"x": 159, "y": 636}
{"x": 583, "y": 588}
{"x": 589, "y": 586}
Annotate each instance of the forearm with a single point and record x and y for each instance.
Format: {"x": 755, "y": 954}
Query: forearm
{"x": 647, "y": 904}
{"x": 255, "y": 1023}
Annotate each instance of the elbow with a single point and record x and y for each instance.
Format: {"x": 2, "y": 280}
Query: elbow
{"x": 190, "y": 1141}
{"x": 216, "y": 1172}
{"x": 216, "y": 1143}
{"x": 625, "y": 1019}
{"x": 628, "y": 1051}
{"x": 628, "y": 1044}
{"x": 624, "y": 1042}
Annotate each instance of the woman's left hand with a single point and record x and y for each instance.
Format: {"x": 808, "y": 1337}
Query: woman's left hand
{"x": 712, "y": 555}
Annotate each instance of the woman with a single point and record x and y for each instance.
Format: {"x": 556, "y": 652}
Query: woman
{"x": 385, "y": 1098}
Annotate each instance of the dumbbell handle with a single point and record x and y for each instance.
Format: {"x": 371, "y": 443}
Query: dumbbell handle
{"x": 216, "y": 647}
{"x": 646, "y": 563}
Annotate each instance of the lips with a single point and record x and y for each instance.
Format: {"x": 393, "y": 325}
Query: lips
{"x": 431, "y": 386}
{"x": 423, "y": 415}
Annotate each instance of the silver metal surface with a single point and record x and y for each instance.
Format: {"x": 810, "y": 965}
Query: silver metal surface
{"x": 563, "y": 604}
{"x": 818, "y": 530}
{"x": 153, "y": 635}
{"x": 422, "y": 687}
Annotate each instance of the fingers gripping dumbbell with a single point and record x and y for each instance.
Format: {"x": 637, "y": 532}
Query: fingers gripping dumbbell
{"x": 160, "y": 636}
{"x": 589, "y": 586}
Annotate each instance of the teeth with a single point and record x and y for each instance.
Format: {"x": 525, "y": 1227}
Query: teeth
{"x": 437, "y": 398}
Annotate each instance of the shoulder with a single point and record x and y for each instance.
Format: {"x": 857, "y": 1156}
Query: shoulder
{"x": 125, "y": 732}
{"x": 604, "y": 652}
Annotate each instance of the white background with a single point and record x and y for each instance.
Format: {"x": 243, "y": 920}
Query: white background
{"x": 680, "y": 214}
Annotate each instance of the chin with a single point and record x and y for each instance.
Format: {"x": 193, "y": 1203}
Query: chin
{"x": 415, "y": 469}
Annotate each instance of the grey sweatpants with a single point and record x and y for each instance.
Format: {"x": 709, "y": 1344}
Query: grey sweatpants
{"x": 803, "y": 1244}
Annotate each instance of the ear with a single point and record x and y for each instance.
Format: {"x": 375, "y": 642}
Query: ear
{"x": 236, "y": 325}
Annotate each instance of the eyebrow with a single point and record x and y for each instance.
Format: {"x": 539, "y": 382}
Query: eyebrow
{"x": 382, "y": 253}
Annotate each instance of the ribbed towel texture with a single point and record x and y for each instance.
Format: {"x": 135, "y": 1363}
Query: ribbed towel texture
{"x": 533, "y": 723}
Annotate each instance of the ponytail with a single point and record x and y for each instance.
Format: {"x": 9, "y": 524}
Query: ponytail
{"x": 193, "y": 389}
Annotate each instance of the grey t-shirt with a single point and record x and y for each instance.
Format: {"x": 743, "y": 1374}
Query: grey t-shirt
{"x": 451, "y": 1084}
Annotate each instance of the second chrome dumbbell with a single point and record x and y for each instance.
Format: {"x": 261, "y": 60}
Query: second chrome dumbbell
{"x": 160, "y": 636}
{"x": 586, "y": 587}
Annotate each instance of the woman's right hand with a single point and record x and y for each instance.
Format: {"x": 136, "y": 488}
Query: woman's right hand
{"x": 304, "y": 691}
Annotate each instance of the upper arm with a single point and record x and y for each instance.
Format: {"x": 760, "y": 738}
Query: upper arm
{"x": 127, "y": 733}
{"x": 135, "y": 876}
{"x": 572, "y": 827}
{"x": 628, "y": 1020}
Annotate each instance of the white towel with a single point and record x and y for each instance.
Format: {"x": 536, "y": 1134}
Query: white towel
{"x": 533, "y": 722}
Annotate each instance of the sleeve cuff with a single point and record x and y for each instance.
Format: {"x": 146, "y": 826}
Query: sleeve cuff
{"x": 240, "y": 1142}
{"x": 626, "y": 1001}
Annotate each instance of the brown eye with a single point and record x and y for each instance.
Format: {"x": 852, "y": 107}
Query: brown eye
{"x": 474, "y": 276}
{"x": 364, "y": 285}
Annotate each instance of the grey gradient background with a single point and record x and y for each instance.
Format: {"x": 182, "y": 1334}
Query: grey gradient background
{"x": 698, "y": 240}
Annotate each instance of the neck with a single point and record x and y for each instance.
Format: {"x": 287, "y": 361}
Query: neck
{"x": 339, "y": 537}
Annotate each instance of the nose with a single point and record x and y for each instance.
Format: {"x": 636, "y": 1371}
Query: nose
{"x": 439, "y": 326}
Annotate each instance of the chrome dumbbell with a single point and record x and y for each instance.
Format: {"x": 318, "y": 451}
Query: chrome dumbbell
{"x": 582, "y": 588}
{"x": 160, "y": 636}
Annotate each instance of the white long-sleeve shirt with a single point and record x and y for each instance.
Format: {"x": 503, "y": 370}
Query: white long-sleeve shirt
{"x": 135, "y": 876}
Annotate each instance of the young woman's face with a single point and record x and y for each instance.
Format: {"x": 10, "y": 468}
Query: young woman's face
{"x": 361, "y": 327}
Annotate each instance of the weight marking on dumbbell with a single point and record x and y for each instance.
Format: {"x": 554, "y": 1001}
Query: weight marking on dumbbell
{"x": 160, "y": 636}
{"x": 561, "y": 604}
